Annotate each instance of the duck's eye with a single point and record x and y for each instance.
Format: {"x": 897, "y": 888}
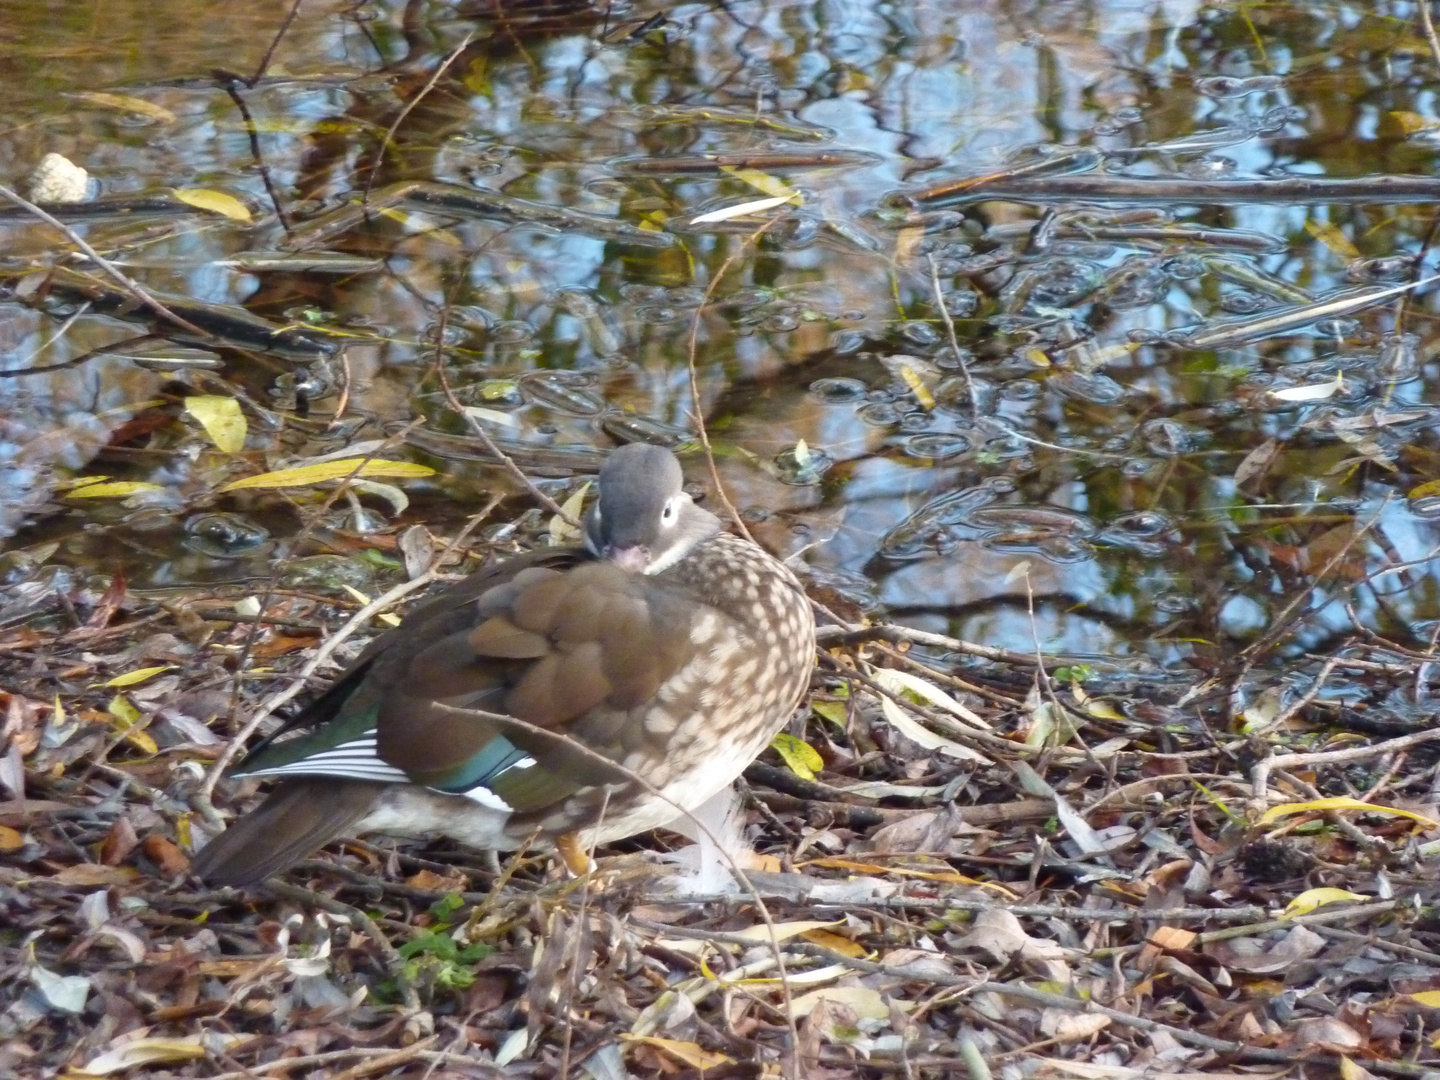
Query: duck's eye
{"x": 670, "y": 512}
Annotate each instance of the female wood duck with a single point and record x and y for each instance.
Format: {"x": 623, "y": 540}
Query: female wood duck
{"x": 663, "y": 646}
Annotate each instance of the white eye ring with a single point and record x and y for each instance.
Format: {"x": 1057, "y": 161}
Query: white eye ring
{"x": 670, "y": 512}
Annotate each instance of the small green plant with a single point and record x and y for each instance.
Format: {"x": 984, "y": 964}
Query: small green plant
{"x": 433, "y": 958}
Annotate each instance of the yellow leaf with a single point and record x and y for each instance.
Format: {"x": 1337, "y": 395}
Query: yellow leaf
{"x": 952, "y": 876}
{"x": 1311, "y": 899}
{"x": 1339, "y": 802}
{"x": 1101, "y": 710}
{"x": 221, "y": 418}
{"x": 834, "y": 711}
{"x": 125, "y": 103}
{"x": 217, "y": 202}
{"x": 1425, "y": 490}
{"x": 130, "y": 678}
{"x": 355, "y": 594}
{"x": 111, "y": 490}
{"x": 151, "y": 1051}
{"x": 785, "y": 930}
{"x": 1429, "y": 998}
{"x": 688, "y": 1053}
{"x": 834, "y": 942}
{"x": 763, "y": 182}
{"x": 799, "y": 755}
{"x": 561, "y": 531}
{"x": 331, "y": 470}
{"x": 1333, "y": 238}
{"x": 867, "y": 1003}
{"x": 1409, "y": 123}
{"x": 10, "y": 840}
{"x": 127, "y": 717}
{"x": 917, "y": 387}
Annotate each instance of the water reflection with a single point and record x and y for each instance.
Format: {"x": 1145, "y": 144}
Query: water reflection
{"x": 549, "y": 281}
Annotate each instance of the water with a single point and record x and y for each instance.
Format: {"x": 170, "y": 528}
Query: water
{"x": 558, "y": 325}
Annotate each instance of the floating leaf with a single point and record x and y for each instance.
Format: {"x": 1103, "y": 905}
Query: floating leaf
{"x": 304, "y": 475}
{"x": 725, "y": 213}
{"x": 917, "y": 387}
{"x": 494, "y": 416}
{"x": 221, "y": 418}
{"x": 217, "y": 202}
{"x": 1334, "y": 238}
{"x": 1339, "y": 802}
{"x": 798, "y": 754}
{"x": 1313, "y": 392}
{"x": 762, "y": 181}
{"x": 125, "y": 103}
{"x": 1311, "y": 899}
{"x": 111, "y": 489}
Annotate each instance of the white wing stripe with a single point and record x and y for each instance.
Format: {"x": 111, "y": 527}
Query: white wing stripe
{"x": 359, "y": 760}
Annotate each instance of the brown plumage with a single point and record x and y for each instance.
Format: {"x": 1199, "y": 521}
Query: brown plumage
{"x": 665, "y": 648}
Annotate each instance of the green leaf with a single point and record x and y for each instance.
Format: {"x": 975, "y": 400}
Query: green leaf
{"x": 799, "y": 755}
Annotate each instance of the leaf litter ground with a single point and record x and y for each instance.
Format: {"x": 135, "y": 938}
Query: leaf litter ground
{"x": 961, "y": 865}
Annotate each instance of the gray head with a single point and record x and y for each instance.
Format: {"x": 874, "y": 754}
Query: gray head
{"x": 643, "y": 520}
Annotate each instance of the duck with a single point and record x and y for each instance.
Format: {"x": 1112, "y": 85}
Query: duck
{"x": 564, "y": 698}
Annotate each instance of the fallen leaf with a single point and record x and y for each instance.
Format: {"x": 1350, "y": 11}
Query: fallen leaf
{"x": 304, "y": 475}
{"x": 157, "y": 1051}
{"x": 687, "y": 1053}
{"x": 217, "y": 202}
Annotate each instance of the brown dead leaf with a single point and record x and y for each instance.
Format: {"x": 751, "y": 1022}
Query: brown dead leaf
{"x": 282, "y": 644}
{"x": 1257, "y": 462}
{"x": 88, "y": 875}
{"x": 164, "y": 853}
{"x": 1258, "y": 956}
{"x": 687, "y": 1053}
{"x": 1325, "y": 1033}
{"x": 428, "y": 879}
{"x": 118, "y": 842}
{"x": 22, "y": 723}
{"x": 1064, "y": 1026}
{"x": 999, "y": 933}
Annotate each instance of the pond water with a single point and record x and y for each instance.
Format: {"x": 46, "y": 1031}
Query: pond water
{"x": 964, "y": 393}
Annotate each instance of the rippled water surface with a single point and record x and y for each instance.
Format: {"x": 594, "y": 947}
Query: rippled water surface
{"x": 1048, "y": 346}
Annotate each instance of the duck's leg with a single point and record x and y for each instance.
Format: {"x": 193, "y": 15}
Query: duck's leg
{"x": 577, "y": 859}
